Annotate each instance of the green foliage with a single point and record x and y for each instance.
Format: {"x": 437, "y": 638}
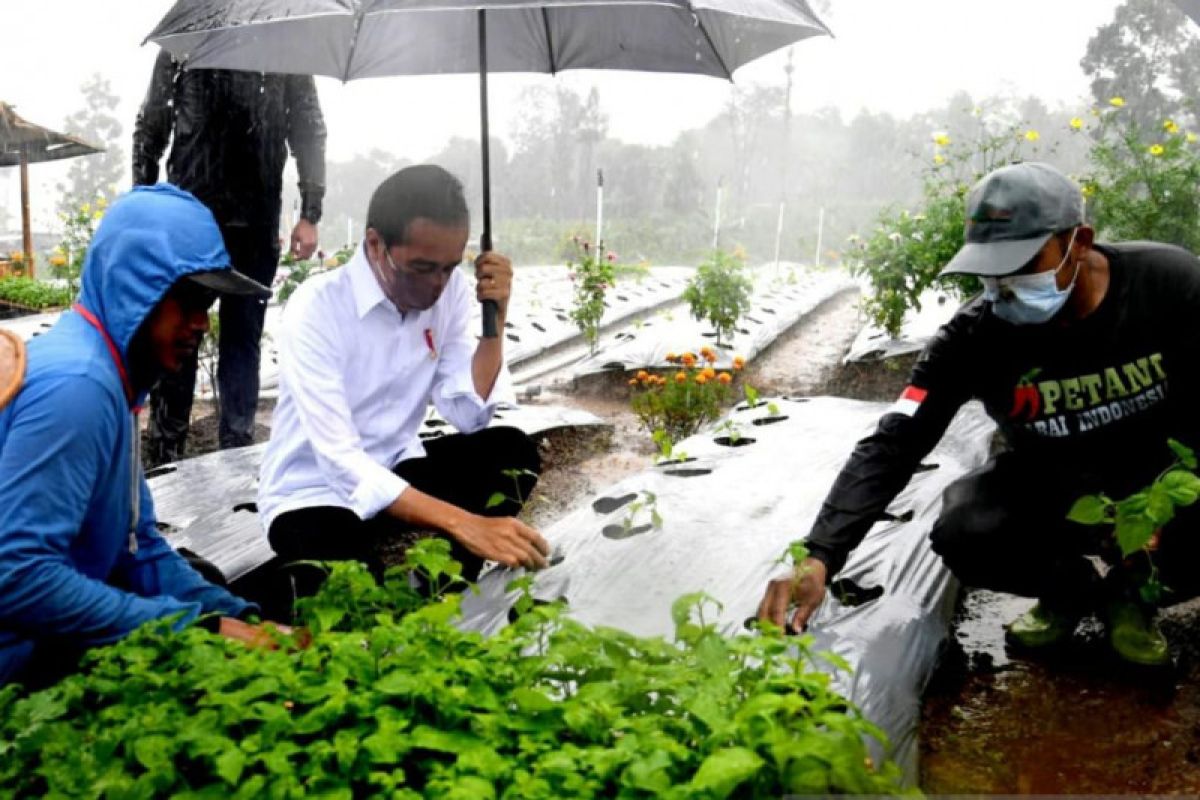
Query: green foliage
{"x": 1140, "y": 517}
{"x": 720, "y": 292}
{"x": 79, "y": 225}
{"x": 902, "y": 256}
{"x": 300, "y": 270}
{"x": 1144, "y": 182}
{"x": 31, "y": 293}
{"x": 392, "y": 698}
{"x": 593, "y": 274}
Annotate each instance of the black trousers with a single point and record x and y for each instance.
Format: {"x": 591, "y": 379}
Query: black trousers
{"x": 464, "y": 470}
{"x": 1004, "y": 527}
{"x": 254, "y": 252}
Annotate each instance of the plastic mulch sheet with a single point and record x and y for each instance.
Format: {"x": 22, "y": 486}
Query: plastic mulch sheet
{"x": 777, "y": 303}
{"x": 728, "y": 514}
{"x": 208, "y": 504}
{"x": 873, "y": 343}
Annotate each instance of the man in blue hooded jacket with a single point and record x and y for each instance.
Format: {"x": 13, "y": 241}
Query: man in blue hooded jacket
{"x": 81, "y": 561}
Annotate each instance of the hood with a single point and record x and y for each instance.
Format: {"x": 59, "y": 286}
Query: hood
{"x": 148, "y": 239}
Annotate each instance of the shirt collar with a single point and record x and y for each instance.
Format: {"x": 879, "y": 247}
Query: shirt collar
{"x": 364, "y": 284}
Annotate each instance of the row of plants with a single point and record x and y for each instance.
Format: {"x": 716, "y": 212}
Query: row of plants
{"x": 1139, "y": 184}
{"x": 33, "y": 294}
{"x": 382, "y": 693}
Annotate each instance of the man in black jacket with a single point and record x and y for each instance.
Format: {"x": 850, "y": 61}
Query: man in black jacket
{"x": 1085, "y": 356}
{"x": 231, "y": 132}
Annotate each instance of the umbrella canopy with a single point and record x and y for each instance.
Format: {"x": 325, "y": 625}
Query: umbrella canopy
{"x": 1191, "y": 8}
{"x": 350, "y": 39}
{"x": 23, "y": 143}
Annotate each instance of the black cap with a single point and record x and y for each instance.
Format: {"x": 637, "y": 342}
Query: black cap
{"x": 229, "y": 281}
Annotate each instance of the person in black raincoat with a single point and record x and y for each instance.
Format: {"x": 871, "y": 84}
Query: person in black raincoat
{"x": 230, "y": 132}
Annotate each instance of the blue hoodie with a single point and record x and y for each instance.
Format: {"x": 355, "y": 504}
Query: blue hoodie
{"x": 69, "y": 570}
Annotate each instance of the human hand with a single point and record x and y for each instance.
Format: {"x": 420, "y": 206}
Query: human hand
{"x": 503, "y": 539}
{"x": 805, "y": 588}
{"x": 493, "y": 280}
{"x": 304, "y": 239}
{"x": 265, "y": 634}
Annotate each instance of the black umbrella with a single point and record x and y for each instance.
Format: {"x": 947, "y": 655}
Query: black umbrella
{"x": 350, "y": 39}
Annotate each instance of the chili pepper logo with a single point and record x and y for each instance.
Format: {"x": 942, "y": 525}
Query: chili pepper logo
{"x": 1027, "y": 401}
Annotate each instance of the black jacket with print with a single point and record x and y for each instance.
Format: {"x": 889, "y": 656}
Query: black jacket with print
{"x": 1103, "y": 393}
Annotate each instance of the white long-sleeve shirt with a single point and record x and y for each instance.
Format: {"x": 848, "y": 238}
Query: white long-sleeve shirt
{"x": 355, "y": 380}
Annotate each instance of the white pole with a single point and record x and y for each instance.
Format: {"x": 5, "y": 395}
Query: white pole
{"x": 820, "y": 233}
{"x": 778, "y": 236}
{"x": 599, "y": 211}
{"x": 717, "y": 221}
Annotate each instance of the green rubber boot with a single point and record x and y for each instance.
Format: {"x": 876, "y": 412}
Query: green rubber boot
{"x": 1040, "y": 627}
{"x": 1135, "y": 636}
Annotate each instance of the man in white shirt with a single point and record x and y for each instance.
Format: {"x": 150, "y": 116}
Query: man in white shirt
{"x": 363, "y": 350}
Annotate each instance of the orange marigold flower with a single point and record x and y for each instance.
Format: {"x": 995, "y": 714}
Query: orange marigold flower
{"x": 681, "y": 377}
{"x": 709, "y": 373}
{"x": 701, "y": 379}
{"x": 642, "y": 375}
{"x": 633, "y": 381}
{"x": 672, "y": 358}
{"x": 688, "y": 359}
{"x": 725, "y": 378}
{"x": 738, "y": 362}
{"x": 709, "y": 356}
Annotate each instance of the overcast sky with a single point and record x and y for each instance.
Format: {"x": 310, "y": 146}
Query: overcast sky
{"x": 888, "y": 55}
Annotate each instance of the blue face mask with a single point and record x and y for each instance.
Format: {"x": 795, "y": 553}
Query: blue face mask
{"x": 1030, "y": 299}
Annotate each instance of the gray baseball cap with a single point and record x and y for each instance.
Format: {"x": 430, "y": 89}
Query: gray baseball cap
{"x": 1011, "y": 213}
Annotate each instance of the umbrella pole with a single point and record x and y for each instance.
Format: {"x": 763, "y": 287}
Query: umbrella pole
{"x": 27, "y": 232}
{"x": 485, "y": 240}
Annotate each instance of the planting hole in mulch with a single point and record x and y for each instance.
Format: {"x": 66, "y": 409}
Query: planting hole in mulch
{"x": 607, "y": 505}
{"x": 769, "y": 420}
{"x": 687, "y": 472}
{"x": 730, "y": 441}
{"x": 251, "y": 507}
{"x": 622, "y": 532}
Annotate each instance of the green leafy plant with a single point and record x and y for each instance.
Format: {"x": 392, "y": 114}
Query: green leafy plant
{"x": 1144, "y": 183}
{"x": 33, "y": 294}
{"x": 674, "y": 406}
{"x": 517, "y": 497}
{"x": 720, "y": 293}
{"x": 1139, "y": 518}
{"x": 593, "y": 274}
{"x": 648, "y": 502}
{"x": 387, "y": 696}
{"x": 300, "y": 270}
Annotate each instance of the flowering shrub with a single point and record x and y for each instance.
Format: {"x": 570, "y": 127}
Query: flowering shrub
{"x": 593, "y": 274}
{"x": 902, "y": 256}
{"x": 300, "y": 270}
{"x": 78, "y": 228}
{"x": 720, "y": 292}
{"x": 674, "y": 406}
{"x": 1144, "y": 184}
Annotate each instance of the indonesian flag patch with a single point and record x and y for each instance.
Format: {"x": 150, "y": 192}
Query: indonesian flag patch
{"x": 909, "y": 401}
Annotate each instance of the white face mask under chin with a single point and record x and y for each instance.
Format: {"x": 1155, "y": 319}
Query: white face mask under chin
{"x": 1030, "y": 299}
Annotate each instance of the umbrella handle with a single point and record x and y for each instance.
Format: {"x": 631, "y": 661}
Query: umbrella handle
{"x": 490, "y": 309}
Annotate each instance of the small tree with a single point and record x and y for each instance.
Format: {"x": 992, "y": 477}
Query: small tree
{"x": 97, "y": 175}
{"x": 720, "y": 292}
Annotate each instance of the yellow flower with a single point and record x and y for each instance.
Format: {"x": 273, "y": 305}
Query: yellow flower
{"x": 642, "y": 375}
{"x": 681, "y": 377}
{"x": 1088, "y": 190}
{"x": 57, "y": 260}
{"x": 1032, "y": 136}
{"x": 725, "y": 378}
{"x": 1170, "y": 127}
{"x": 939, "y": 159}
{"x": 1076, "y": 123}
{"x": 1156, "y": 149}
{"x": 101, "y": 203}
{"x": 86, "y": 208}
{"x": 1191, "y": 137}
{"x": 1117, "y": 102}
{"x": 672, "y": 358}
{"x": 941, "y": 139}
{"x": 709, "y": 373}
{"x": 17, "y": 255}
{"x": 701, "y": 379}
{"x": 738, "y": 362}
{"x": 633, "y": 381}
